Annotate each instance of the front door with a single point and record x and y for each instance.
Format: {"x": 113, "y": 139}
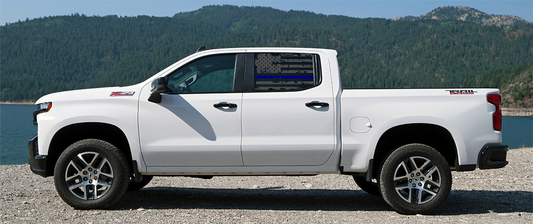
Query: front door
{"x": 198, "y": 122}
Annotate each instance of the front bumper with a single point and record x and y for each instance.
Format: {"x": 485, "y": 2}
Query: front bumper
{"x": 493, "y": 157}
{"x": 37, "y": 162}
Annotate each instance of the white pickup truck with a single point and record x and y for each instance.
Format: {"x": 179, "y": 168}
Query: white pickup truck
{"x": 264, "y": 111}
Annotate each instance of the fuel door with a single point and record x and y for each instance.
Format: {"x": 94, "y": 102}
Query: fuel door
{"x": 360, "y": 124}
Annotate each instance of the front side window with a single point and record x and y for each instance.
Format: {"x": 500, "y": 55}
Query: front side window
{"x": 213, "y": 74}
{"x": 285, "y": 72}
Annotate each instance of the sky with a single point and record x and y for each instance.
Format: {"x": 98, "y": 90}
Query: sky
{"x": 12, "y": 11}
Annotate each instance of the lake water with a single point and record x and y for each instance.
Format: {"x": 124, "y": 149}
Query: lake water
{"x": 16, "y": 128}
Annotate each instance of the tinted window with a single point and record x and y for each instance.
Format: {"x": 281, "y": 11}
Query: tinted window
{"x": 285, "y": 72}
{"x": 213, "y": 74}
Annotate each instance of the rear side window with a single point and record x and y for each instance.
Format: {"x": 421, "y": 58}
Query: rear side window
{"x": 285, "y": 72}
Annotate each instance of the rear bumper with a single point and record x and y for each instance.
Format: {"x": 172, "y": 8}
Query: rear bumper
{"x": 37, "y": 162}
{"x": 493, "y": 157}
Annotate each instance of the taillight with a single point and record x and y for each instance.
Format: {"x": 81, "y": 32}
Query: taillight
{"x": 497, "y": 116}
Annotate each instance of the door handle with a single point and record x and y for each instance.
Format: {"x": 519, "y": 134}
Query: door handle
{"x": 317, "y": 104}
{"x": 225, "y": 104}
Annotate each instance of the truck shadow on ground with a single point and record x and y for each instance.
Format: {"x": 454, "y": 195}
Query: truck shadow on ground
{"x": 460, "y": 201}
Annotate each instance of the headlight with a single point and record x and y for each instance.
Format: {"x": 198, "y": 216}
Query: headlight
{"x": 44, "y": 107}
{"x": 41, "y": 108}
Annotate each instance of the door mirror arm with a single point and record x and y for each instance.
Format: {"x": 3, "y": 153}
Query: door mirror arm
{"x": 158, "y": 86}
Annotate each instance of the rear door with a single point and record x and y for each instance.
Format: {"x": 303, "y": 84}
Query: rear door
{"x": 286, "y": 114}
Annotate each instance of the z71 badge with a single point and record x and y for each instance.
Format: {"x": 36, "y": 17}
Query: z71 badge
{"x": 461, "y": 92}
{"x": 122, "y": 93}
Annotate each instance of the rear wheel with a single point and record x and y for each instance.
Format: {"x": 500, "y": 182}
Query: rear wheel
{"x": 415, "y": 179}
{"x": 91, "y": 173}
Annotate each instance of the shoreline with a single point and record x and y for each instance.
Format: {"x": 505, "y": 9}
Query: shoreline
{"x": 517, "y": 112}
{"x": 18, "y": 103}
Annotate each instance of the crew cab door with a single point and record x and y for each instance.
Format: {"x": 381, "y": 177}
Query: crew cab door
{"x": 287, "y": 111}
{"x": 198, "y": 121}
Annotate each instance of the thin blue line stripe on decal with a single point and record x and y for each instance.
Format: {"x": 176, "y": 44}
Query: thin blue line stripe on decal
{"x": 284, "y": 77}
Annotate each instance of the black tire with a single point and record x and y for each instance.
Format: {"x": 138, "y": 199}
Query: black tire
{"x": 415, "y": 170}
{"x": 90, "y": 174}
{"x": 133, "y": 186}
{"x": 371, "y": 187}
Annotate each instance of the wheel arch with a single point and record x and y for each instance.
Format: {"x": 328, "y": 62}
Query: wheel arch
{"x": 432, "y": 135}
{"x": 76, "y": 132}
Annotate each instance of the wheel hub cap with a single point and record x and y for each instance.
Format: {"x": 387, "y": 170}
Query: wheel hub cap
{"x": 89, "y": 176}
{"x": 417, "y": 180}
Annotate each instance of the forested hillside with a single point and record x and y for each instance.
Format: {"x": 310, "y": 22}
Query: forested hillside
{"x": 518, "y": 92}
{"x": 70, "y": 52}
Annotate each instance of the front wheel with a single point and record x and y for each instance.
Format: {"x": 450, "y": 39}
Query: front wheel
{"x": 91, "y": 173}
{"x": 415, "y": 179}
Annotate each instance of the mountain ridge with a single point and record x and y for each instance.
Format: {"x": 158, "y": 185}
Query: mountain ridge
{"x": 467, "y": 14}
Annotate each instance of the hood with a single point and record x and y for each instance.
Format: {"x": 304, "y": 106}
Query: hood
{"x": 91, "y": 94}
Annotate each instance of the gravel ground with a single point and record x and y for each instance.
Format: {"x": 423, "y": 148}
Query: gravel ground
{"x": 483, "y": 196}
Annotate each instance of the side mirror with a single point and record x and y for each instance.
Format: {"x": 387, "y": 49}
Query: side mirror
{"x": 158, "y": 86}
